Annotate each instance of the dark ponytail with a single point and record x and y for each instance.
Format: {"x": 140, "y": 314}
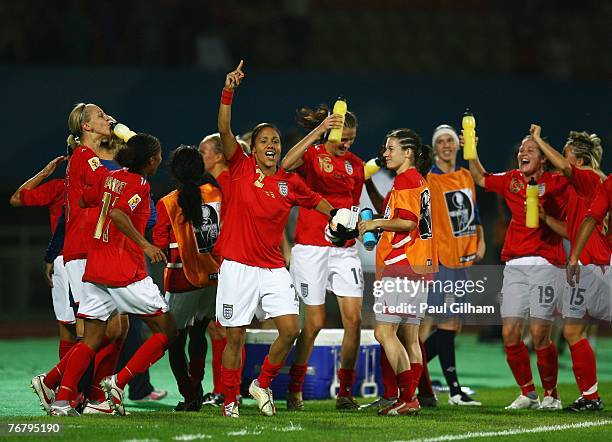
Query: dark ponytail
{"x": 310, "y": 118}
{"x": 423, "y": 153}
{"x": 139, "y": 150}
{"x": 187, "y": 168}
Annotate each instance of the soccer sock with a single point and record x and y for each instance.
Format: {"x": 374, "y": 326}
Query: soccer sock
{"x": 346, "y": 376}
{"x": 431, "y": 346}
{"x": 405, "y": 382}
{"x": 585, "y": 368}
{"x": 80, "y": 358}
{"x": 388, "y": 376}
{"x": 297, "y": 375}
{"x": 217, "y": 352}
{"x": 424, "y": 381}
{"x": 54, "y": 376}
{"x": 548, "y": 366}
{"x": 446, "y": 352}
{"x": 417, "y": 371}
{"x": 148, "y": 354}
{"x": 520, "y": 365}
{"x": 197, "y": 348}
{"x": 230, "y": 379}
{"x": 268, "y": 373}
{"x": 104, "y": 365}
{"x": 64, "y": 347}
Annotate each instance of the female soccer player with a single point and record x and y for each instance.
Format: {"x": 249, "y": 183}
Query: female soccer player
{"x": 531, "y": 279}
{"x": 590, "y": 297}
{"x": 188, "y": 226}
{"x": 405, "y": 259}
{"x": 460, "y": 241}
{"x": 253, "y": 279}
{"x": 317, "y": 266}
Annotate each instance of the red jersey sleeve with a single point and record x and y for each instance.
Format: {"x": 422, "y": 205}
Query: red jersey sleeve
{"x": 585, "y": 181}
{"x": 43, "y": 195}
{"x": 162, "y": 228}
{"x": 495, "y": 182}
{"x": 135, "y": 193}
{"x": 602, "y": 201}
{"x": 238, "y": 162}
{"x": 307, "y": 161}
{"x": 301, "y": 195}
{"x": 92, "y": 195}
{"x": 358, "y": 187}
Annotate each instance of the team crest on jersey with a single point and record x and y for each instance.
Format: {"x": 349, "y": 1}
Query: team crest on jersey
{"x": 461, "y": 211}
{"x": 349, "y": 167}
{"x": 228, "y": 311}
{"x": 516, "y": 185}
{"x": 94, "y": 163}
{"x": 283, "y": 189}
{"x": 541, "y": 189}
{"x": 304, "y": 289}
{"x": 133, "y": 202}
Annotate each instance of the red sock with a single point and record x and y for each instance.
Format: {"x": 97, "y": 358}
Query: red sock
{"x": 148, "y": 354}
{"x": 520, "y": 365}
{"x": 417, "y": 371}
{"x": 548, "y": 366}
{"x": 54, "y": 376}
{"x": 346, "y": 376}
{"x": 104, "y": 365}
{"x": 585, "y": 368}
{"x": 297, "y": 374}
{"x": 217, "y": 353}
{"x": 64, "y": 347}
{"x": 80, "y": 358}
{"x": 405, "y": 382}
{"x": 230, "y": 379}
{"x": 268, "y": 372}
{"x": 388, "y": 376}
{"x": 425, "y": 381}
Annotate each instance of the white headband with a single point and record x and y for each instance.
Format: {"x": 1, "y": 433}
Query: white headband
{"x": 444, "y": 129}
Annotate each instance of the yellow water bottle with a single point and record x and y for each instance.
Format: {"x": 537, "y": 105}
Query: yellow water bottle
{"x": 532, "y": 217}
{"x": 371, "y": 167}
{"x": 469, "y": 135}
{"x": 335, "y": 135}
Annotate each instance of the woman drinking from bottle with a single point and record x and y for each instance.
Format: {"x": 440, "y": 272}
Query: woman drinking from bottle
{"x": 316, "y": 265}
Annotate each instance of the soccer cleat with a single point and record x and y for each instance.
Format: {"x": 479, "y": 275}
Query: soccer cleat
{"x": 380, "y": 403}
{"x": 264, "y": 398}
{"x": 114, "y": 394}
{"x": 295, "y": 402}
{"x": 62, "y": 408}
{"x": 463, "y": 399}
{"x": 550, "y": 403}
{"x": 155, "y": 395}
{"x": 44, "y": 393}
{"x": 523, "y": 402}
{"x": 346, "y": 403}
{"x": 429, "y": 401}
{"x": 583, "y": 404}
{"x": 401, "y": 408}
{"x": 95, "y": 407}
{"x": 231, "y": 410}
{"x": 213, "y": 399}
{"x": 194, "y": 405}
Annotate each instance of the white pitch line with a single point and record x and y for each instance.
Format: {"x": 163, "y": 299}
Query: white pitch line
{"x": 513, "y": 431}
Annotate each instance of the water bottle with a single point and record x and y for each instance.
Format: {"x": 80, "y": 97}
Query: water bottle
{"x": 369, "y": 239}
{"x": 122, "y": 131}
{"x": 371, "y": 167}
{"x": 469, "y": 135}
{"x": 532, "y": 217}
{"x": 335, "y": 135}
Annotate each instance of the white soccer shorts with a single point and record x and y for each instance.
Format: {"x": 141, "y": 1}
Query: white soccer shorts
{"x": 186, "y": 307}
{"x": 245, "y": 291}
{"x": 316, "y": 270}
{"x": 532, "y": 287}
{"x": 140, "y": 298}
{"x": 590, "y": 298}
{"x": 60, "y": 293}
{"x": 76, "y": 270}
{"x": 399, "y": 300}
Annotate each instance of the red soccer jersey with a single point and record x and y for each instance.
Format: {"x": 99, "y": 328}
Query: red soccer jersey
{"x": 257, "y": 212}
{"x": 338, "y": 179}
{"x": 113, "y": 259}
{"x": 521, "y": 240}
{"x": 584, "y": 183}
{"x": 224, "y": 182}
{"x": 50, "y": 195}
{"x": 84, "y": 171}
{"x": 602, "y": 205}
